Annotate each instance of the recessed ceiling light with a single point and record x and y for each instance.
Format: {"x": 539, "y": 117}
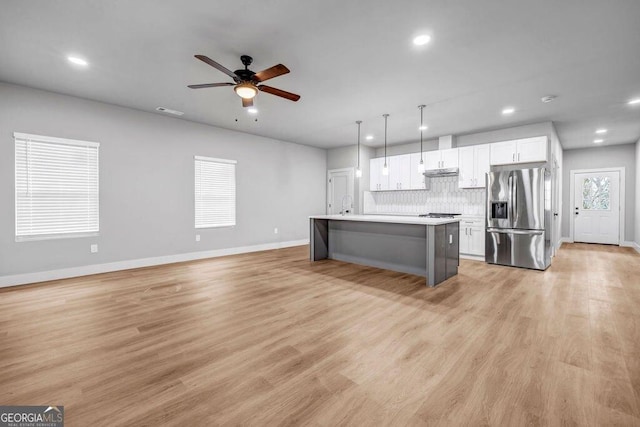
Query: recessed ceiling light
{"x": 368, "y": 137}
{"x": 598, "y": 141}
{"x": 634, "y": 101}
{"x": 422, "y": 39}
{"x": 77, "y": 61}
{"x": 548, "y": 98}
{"x": 601, "y": 131}
{"x": 252, "y": 110}
{"x": 508, "y": 110}
{"x": 423, "y": 127}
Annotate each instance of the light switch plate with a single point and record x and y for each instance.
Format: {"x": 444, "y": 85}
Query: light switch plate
{"x": 94, "y": 248}
{"x": 197, "y": 237}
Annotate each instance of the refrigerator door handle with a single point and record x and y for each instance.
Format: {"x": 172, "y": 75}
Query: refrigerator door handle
{"x": 510, "y": 183}
{"x": 521, "y": 232}
{"x": 515, "y": 198}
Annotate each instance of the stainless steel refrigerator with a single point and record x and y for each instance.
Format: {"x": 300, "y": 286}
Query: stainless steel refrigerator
{"x": 518, "y": 218}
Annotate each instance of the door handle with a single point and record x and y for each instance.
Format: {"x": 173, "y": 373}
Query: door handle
{"x": 511, "y": 231}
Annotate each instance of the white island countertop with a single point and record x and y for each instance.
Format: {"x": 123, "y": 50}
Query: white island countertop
{"x": 396, "y": 219}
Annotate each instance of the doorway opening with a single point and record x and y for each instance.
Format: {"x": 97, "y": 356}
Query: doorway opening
{"x": 340, "y": 191}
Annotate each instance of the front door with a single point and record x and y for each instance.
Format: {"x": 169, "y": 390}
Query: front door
{"x": 596, "y": 208}
{"x": 340, "y": 191}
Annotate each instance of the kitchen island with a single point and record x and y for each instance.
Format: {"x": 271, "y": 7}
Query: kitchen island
{"x": 426, "y": 247}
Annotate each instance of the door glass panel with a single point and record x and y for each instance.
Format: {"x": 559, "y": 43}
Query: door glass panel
{"x": 595, "y": 193}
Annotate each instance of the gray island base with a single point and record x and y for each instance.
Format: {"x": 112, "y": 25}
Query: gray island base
{"x": 426, "y": 247}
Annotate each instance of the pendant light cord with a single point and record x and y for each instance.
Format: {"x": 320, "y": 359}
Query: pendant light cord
{"x": 421, "y": 107}
{"x": 385, "y": 138}
{"x": 358, "y": 122}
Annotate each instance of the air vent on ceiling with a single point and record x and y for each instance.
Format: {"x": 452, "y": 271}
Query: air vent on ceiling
{"x": 169, "y": 111}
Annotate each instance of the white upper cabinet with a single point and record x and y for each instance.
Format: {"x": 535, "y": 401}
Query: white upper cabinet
{"x": 417, "y": 177}
{"x": 441, "y": 159}
{"x": 449, "y": 158}
{"x": 525, "y": 150}
{"x": 377, "y": 181}
{"x": 532, "y": 150}
{"x": 473, "y": 162}
{"x": 400, "y": 172}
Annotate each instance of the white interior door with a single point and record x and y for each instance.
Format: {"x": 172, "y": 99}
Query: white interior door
{"x": 596, "y": 208}
{"x": 340, "y": 191}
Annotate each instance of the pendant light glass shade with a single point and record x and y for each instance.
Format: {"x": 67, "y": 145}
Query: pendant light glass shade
{"x": 385, "y": 168}
{"x": 358, "y": 170}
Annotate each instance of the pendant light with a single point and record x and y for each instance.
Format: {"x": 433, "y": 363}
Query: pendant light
{"x": 385, "y": 168}
{"x": 421, "y": 164}
{"x": 358, "y": 170}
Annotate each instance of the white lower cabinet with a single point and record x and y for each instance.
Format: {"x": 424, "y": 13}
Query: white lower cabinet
{"x": 472, "y": 235}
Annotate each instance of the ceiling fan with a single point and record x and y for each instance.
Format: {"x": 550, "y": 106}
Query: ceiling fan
{"x": 247, "y": 82}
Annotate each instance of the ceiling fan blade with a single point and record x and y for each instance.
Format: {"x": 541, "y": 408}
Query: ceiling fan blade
{"x": 214, "y": 64}
{"x": 269, "y": 73}
{"x": 202, "y": 86}
{"x": 247, "y": 102}
{"x": 279, "y": 92}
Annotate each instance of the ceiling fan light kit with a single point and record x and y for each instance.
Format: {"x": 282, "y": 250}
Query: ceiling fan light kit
{"x": 246, "y": 90}
{"x": 246, "y": 82}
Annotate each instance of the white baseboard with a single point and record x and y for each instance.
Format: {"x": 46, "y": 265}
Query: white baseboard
{"x": 65, "y": 273}
{"x": 566, "y": 240}
{"x": 472, "y": 257}
{"x": 629, "y": 244}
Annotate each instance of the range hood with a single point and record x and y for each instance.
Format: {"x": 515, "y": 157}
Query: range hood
{"x": 441, "y": 172}
{"x": 444, "y": 143}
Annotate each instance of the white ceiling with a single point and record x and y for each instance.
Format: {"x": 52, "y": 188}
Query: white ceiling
{"x": 349, "y": 60}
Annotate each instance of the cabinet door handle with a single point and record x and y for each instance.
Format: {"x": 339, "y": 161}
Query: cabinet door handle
{"x": 465, "y": 231}
{"x": 470, "y": 231}
{"x": 518, "y": 156}
{"x": 513, "y": 157}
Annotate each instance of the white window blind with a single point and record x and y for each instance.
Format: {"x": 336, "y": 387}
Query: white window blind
{"x": 215, "y": 192}
{"x": 56, "y": 187}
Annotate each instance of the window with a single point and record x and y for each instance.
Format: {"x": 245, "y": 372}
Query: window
{"x": 56, "y": 187}
{"x": 595, "y": 193}
{"x": 215, "y": 192}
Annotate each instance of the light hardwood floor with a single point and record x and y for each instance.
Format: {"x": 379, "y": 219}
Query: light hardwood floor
{"x": 270, "y": 338}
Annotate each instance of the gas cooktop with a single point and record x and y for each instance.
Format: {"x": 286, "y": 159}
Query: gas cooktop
{"x": 439, "y": 215}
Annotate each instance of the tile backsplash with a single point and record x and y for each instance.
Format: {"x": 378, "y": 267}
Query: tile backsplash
{"x": 443, "y": 196}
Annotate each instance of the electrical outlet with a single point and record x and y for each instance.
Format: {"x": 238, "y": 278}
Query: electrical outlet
{"x": 197, "y": 237}
{"x": 275, "y": 230}
{"x": 94, "y": 248}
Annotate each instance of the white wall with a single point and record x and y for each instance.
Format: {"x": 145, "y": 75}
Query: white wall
{"x": 602, "y": 157}
{"x": 146, "y": 183}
